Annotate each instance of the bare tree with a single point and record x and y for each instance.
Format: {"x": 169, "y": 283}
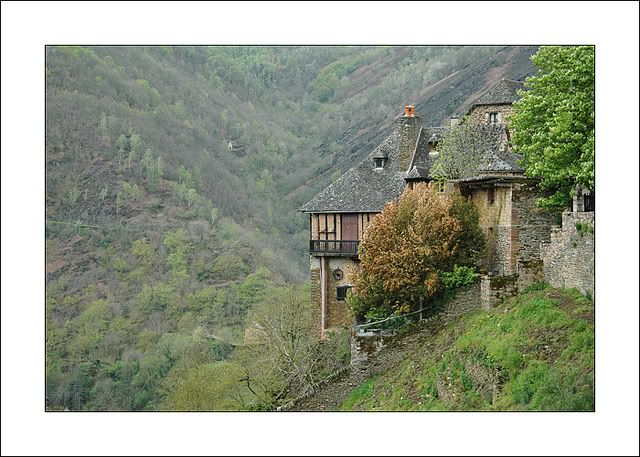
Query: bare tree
{"x": 282, "y": 352}
{"x": 465, "y": 149}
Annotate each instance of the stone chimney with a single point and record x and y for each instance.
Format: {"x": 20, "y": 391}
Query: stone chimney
{"x": 454, "y": 121}
{"x": 409, "y": 125}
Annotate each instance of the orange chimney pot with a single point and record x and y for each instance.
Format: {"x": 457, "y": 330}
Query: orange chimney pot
{"x": 409, "y": 111}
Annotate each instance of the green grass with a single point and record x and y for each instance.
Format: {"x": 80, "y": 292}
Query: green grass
{"x": 536, "y": 352}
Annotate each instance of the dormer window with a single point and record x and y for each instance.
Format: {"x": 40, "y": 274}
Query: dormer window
{"x": 379, "y": 159}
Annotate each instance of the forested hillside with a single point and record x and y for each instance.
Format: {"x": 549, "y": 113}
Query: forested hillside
{"x": 172, "y": 179}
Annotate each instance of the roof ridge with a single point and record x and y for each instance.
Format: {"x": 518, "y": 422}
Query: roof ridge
{"x": 415, "y": 149}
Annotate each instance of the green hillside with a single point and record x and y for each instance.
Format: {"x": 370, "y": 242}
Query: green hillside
{"x": 173, "y": 175}
{"x": 535, "y": 352}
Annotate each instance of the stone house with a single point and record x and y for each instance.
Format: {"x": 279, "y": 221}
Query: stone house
{"x": 339, "y": 215}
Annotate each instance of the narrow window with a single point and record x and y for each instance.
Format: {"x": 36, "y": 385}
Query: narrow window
{"x": 493, "y": 118}
{"x": 341, "y": 292}
{"x": 491, "y": 196}
{"x": 589, "y": 202}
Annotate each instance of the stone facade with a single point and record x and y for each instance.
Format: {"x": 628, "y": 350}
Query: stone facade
{"x": 531, "y": 224}
{"x": 494, "y": 208}
{"x": 569, "y": 256}
{"x": 336, "y": 312}
{"x": 513, "y": 225}
{"x": 409, "y": 131}
{"x": 480, "y": 113}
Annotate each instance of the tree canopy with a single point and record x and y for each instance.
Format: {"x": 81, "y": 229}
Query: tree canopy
{"x": 464, "y": 147}
{"x": 554, "y": 121}
{"x": 408, "y": 249}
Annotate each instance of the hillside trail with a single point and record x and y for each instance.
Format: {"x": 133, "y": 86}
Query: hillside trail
{"x": 329, "y": 396}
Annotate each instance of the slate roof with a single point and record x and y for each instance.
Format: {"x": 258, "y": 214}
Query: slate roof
{"x": 496, "y": 158}
{"x": 421, "y": 161}
{"x": 363, "y": 188}
{"x": 505, "y": 92}
{"x": 366, "y": 189}
{"x": 380, "y": 153}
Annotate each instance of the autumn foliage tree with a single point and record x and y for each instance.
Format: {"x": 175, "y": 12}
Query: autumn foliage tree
{"x": 411, "y": 247}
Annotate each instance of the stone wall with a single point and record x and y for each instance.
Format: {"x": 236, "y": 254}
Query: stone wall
{"x": 529, "y": 272}
{"x": 513, "y": 224}
{"x": 337, "y": 312}
{"x": 531, "y": 224}
{"x": 569, "y": 256}
{"x": 465, "y": 300}
{"x": 480, "y": 113}
{"x": 365, "y": 346}
{"x": 495, "y": 222}
{"x": 494, "y": 289}
{"x": 316, "y": 294}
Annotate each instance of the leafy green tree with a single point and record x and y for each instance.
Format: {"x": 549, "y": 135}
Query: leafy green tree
{"x": 153, "y": 169}
{"x": 144, "y": 252}
{"x": 104, "y": 129}
{"x": 212, "y": 386}
{"x": 159, "y": 167}
{"x": 179, "y": 249}
{"x": 156, "y": 298}
{"x": 184, "y": 176}
{"x": 135, "y": 149}
{"x": 230, "y": 266}
{"x": 554, "y": 122}
{"x": 213, "y": 217}
{"x": 122, "y": 149}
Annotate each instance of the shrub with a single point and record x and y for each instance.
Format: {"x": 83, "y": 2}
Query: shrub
{"x": 460, "y": 276}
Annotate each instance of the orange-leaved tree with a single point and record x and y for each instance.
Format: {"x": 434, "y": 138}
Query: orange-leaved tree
{"x": 413, "y": 250}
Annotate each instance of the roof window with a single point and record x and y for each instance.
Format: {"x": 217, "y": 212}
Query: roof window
{"x": 379, "y": 163}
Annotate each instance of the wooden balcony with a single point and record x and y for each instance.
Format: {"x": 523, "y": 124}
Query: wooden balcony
{"x": 347, "y": 248}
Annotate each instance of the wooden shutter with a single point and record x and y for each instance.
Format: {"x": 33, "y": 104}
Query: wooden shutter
{"x": 349, "y": 225}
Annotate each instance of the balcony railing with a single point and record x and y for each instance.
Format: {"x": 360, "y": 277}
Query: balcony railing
{"x": 334, "y": 247}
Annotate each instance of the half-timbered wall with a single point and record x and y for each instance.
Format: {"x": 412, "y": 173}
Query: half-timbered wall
{"x": 328, "y": 226}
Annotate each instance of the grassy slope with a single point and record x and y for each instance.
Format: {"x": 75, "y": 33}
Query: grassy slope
{"x": 535, "y": 352}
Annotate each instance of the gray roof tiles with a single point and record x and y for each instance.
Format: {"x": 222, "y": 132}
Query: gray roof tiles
{"x": 505, "y": 92}
{"x": 366, "y": 189}
{"x": 363, "y": 188}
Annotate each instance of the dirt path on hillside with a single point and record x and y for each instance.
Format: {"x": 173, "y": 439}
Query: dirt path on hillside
{"x": 331, "y": 395}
